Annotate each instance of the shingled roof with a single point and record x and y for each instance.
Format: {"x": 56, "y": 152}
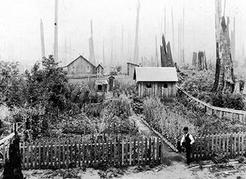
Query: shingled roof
{"x": 155, "y": 74}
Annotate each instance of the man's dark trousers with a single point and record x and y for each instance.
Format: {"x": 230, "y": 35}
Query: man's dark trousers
{"x": 188, "y": 148}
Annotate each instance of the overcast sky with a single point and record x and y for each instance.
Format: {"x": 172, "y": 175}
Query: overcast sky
{"x": 20, "y": 27}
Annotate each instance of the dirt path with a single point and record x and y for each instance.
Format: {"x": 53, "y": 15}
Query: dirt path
{"x": 143, "y": 129}
{"x": 168, "y": 153}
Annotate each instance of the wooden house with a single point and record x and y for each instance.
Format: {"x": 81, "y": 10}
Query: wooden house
{"x": 130, "y": 68}
{"x": 156, "y": 81}
{"x": 81, "y": 67}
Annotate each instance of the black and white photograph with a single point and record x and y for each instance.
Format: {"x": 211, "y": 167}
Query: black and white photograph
{"x": 124, "y": 89}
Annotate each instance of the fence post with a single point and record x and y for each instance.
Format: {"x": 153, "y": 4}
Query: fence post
{"x": 122, "y": 152}
{"x": 162, "y": 152}
{"x": 130, "y": 151}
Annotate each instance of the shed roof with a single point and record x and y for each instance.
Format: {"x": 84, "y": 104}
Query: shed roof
{"x": 101, "y": 81}
{"x": 155, "y": 74}
{"x": 134, "y": 64}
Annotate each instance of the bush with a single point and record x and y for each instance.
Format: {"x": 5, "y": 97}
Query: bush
{"x": 79, "y": 124}
{"x": 116, "y": 125}
{"x": 205, "y": 124}
{"x": 197, "y": 82}
{"x": 199, "y": 85}
{"x": 233, "y": 101}
{"x": 115, "y": 117}
{"x": 119, "y": 107}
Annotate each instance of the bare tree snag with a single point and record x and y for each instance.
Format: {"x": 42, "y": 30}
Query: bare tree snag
{"x": 166, "y": 54}
{"x": 194, "y": 59}
{"x": 224, "y": 77}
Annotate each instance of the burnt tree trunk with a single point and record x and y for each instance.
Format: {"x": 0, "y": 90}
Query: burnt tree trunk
{"x": 224, "y": 76}
{"x": 217, "y": 69}
{"x": 194, "y": 59}
{"x": 166, "y": 54}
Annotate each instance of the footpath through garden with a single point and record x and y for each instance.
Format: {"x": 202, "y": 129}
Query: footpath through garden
{"x": 169, "y": 152}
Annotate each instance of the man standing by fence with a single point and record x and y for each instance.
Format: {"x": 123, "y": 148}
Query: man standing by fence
{"x": 187, "y": 141}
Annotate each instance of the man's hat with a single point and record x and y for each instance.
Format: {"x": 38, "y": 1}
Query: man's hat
{"x": 185, "y": 129}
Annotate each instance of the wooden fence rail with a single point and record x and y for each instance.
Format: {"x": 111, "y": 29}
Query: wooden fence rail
{"x": 213, "y": 110}
{"x": 228, "y": 145}
{"x": 63, "y": 154}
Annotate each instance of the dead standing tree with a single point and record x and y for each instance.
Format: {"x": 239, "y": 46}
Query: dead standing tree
{"x": 194, "y": 59}
{"x": 202, "y": 61}
{"x": 166, "y": 54}
{"x": 224, "y": 77}
{"x": 199, "y": 61}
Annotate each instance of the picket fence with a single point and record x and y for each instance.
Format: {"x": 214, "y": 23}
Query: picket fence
{"x": 77, "y": 153}
{"x": 232, "y": 114}
{"x": 228, "y": 145}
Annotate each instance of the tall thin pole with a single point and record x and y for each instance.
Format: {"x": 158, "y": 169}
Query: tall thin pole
{"x": 70, "y": 49}
{"x": 172, "y": 33}
{"x": 233, "y": 40}
{"x": 217, "y": 19}
{"x": 234, "y": 36}
{"x": 179, "y": 44}
{"x": 56, "y": 32}
{"x": 112, "y": 54}
{"x": 156, "y": 52}
{"x": 91, "y": 46}
{"x": 122, "y": 44}
{"x": 183, "y": 48}
{"x": 165, "y": 22}
{"x": 65, "y": 51}
{"x": 136, "y": 48}
{"x": 224, "y": 8}
{"x": 103, "y": 59}
{"x": 42, "y": 38}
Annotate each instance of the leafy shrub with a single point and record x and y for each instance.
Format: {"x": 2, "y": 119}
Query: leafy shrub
{"x": 115, "y": 117}
{"x": 78, "y": 124}
{"x": 197, "y": 82}
{"x": 116, "y": 125}
{"x": 233, "y": 101}
{"x": 199, "y": 85}
{"x": 94, "y": 109}
{"x": 205, "y": 124}
{"x": 119, "y": 107}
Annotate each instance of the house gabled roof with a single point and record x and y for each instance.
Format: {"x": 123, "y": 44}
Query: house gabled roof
{"x": 155, "y": 74}
{"x": 134, "y": 64}
{"x": 79, "y": 58}
{"x": 99, "y": 66}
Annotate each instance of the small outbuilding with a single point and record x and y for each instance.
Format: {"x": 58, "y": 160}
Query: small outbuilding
{"x": 101, "y": 85}
{"x": 111, "y": 82}
{"x": 100, "y": 70}
{"x": 156, "y": 81}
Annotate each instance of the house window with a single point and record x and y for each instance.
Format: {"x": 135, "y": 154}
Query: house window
{"x": 165, "y": 85}
{"x": 148, "y": 85}
{"x": 88, "y": 68}
{"x": 99, "y": 87}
